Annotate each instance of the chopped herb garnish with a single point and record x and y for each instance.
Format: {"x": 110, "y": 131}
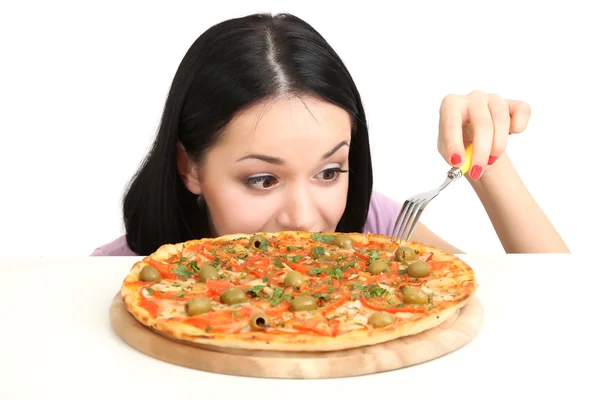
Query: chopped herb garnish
{"x": 182, "y": 272}
{"x": 335, "y": 272}
{"x": 375, "y": 291}
{"x": 321, "y": 296}
{"x": 295, "y": 259}
{"x": 320, "y": 237}
{"x": 264, "y": 245}
{"x": 278, "y": 296}
{"x": 194, "y": 266}
{"x": 255, "y": 290}
{"x": 319, "y": 250}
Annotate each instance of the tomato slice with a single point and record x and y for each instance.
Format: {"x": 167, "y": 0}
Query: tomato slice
{"x": 220, "y": 319}
{"x": 302, "y": 268}
{"x": 165, "y": 270}
{"x": 215, "y": 288}
{"x": 284, "y": 306}
{"x": 257, "y": 265}
{"x": 313, "y": 324}
{"x": 150, "y": 306}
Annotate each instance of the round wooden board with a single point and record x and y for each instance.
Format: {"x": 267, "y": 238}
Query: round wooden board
{"x": 454, "y": 333}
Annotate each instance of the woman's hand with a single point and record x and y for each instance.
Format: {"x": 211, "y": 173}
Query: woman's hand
{"x": 483, "y": 119}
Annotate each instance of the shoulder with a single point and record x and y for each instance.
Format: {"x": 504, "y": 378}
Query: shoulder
{"x": 382, "y": 214}
{"x": 117, "y": 247}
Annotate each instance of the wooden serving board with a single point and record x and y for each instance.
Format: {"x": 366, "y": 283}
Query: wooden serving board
{"x": 454, "y": 333}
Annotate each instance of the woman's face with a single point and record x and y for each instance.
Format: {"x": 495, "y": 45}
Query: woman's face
{"x": 277, "y": 168}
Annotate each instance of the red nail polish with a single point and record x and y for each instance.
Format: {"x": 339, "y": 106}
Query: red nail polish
{"x": 492, "y": 160}
{"x": 455, "y": 159}
{"x": 476, "y": 171}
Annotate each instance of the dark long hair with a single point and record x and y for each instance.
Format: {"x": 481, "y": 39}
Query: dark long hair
{"x": 234, "y": 65}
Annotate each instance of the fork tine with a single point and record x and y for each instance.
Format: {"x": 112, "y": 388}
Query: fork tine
{"x": 400, "y": 219}
{"x": 406, "y": 218}
{"x": 413, "y": 207}
{"x": 411, "y": 219}
{"x": 417, "y": 216}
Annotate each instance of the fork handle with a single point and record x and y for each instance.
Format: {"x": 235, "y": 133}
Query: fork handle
{"x": 454, "y": 173}
{"x": 468, "y": 159}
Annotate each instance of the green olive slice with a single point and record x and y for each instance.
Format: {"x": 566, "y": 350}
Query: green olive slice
{"x": 207, "y": 272}
{"x": 380, "y": 319}
{"x": 233, "y": 296}
{"x": 418, "y": 269}
{"x": 377, "y": 267}
{"x": 260, "y": 321}
{"x": 405, "y": 253}
{"x": 304, "y": 303}
{"x": 150, "y": 274}
{"x": 197, "y": 305}
{"x": 293, "y": 279}
{"x": 343, "y": 241}
{"x": 259, "y": 242}
{"x": 413, "y": 295}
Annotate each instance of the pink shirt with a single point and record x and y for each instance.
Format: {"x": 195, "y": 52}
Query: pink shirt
{"x": 381, "y": 218}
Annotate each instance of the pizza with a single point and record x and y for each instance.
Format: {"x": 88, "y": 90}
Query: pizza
{"x": 295, "y": 291}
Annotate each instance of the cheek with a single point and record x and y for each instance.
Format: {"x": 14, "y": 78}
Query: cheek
{"x": 334, "y": 204}
{"x": 234, "y": 211}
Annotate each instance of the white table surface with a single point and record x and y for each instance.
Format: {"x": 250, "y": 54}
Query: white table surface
{"x": 540, "y": 336}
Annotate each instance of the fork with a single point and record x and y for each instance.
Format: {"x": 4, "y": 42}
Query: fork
{"x": 413, "y": 207}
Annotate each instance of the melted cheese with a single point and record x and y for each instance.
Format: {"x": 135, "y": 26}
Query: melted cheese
{"x": 437, "y": 295}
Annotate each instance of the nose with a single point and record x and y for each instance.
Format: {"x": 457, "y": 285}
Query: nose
{"x": 298, "y": 210}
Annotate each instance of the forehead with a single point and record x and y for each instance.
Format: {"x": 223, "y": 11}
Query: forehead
{"x": 288, "y": 125}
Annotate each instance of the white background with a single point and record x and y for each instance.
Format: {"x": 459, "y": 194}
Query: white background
{"x": 82, "y": 86}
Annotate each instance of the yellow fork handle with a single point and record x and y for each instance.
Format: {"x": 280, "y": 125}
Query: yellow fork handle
{"x": 468, "y": 159}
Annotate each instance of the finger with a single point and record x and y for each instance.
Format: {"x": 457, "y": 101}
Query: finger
{"x": 450, "y": 138}
{"x": 520, "y": 113}
{"x": 499, "y": 112}
{"x": 483, "y": 133}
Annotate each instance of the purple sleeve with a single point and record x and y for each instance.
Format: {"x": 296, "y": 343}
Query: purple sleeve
{"x": 117, "y": 247}
{"x": 383, "y": 212}
{"x": 98, "y": 252}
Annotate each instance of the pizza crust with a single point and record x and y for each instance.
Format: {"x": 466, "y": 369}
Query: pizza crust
{"x": 300, "y": 341}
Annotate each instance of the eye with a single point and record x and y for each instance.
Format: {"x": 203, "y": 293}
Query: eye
{"x": 261, "y": 182}
{"x": 331, "y": 174}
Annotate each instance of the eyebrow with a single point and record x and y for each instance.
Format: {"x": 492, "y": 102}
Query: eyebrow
{"x": 279, "y": 161}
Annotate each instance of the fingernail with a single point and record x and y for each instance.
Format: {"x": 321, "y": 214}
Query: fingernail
{"x": 476, "y": 171}
{"x": 455, "y": 159}
{"x": 492, "y": 160}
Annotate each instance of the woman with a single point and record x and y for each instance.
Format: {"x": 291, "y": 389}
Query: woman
{"x": 264, "y": 130}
